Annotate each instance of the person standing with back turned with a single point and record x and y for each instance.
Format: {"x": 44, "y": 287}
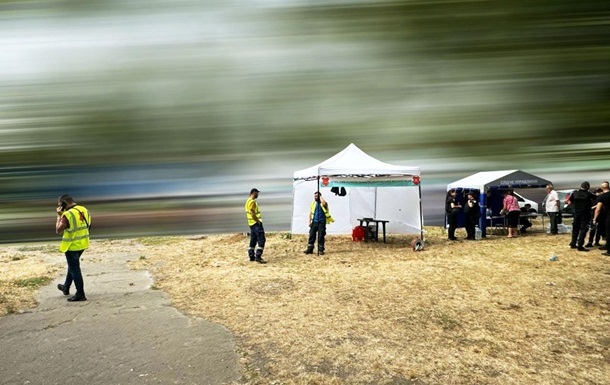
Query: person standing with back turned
{"x": 73, "y": 222}
{"x": 257, "y": 232}
{"x": 512, "y": 211}
{"x": 582, "y": 200}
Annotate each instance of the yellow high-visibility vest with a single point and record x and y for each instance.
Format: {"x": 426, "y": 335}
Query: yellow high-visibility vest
{"x": 76, "y": 236}
{"x": 251, "y": 204}
{"x": 329, "y": 219}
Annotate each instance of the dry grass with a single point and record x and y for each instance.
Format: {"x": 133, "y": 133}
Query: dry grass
{"x": 22, "y": 271}
{"x": 496, "y": 311}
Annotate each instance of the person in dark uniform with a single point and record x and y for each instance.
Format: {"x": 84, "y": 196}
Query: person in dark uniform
{"x": 598, "y": 230}
{"x": 452, "y": 208}
{"x": 603, "y": 202}
{"x": 473, "y": 213}
{"x": 582, "y": 200}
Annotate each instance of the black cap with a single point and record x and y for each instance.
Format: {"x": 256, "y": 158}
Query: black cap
{"x": 253, "y": 191}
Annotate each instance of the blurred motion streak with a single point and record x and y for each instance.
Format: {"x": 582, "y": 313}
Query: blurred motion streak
{"x": 160, "y": 116}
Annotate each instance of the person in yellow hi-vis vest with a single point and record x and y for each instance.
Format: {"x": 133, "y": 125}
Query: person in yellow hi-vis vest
{"x": 257, "y": 232}
{"x": 319, "y": 216}
{"x": 73, "y": 222}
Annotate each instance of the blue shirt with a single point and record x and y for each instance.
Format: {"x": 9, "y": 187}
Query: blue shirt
{"x": 318, "y": 214}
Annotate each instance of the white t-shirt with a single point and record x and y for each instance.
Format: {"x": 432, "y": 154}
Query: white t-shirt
{"x": 551, "y": 202}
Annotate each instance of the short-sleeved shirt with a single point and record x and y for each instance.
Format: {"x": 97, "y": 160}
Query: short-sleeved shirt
{"x": 582, "y": 201}
{"x": 604, "y": 199}
{"x": 552, "y": 202}
{"x": 511, "y": 203}
{"x": 448, "y": 202}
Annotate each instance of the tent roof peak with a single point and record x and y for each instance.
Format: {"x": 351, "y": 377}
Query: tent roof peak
{"x": 353, "y": 161}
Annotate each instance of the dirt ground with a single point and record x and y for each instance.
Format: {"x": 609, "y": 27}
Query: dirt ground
{"x": 494, "y": 311}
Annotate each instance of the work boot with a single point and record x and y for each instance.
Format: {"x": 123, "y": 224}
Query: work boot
{"x": 308, "y": 251}
{"x": 580, "y": 248}
{"x": 65, "y": 290}
{"x": 262, "y": 261}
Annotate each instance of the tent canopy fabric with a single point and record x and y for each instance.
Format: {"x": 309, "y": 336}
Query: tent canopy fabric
{"x": 352, "y": 161}
{"x": 370, "y": 192}
{"x": 483, "y": 181}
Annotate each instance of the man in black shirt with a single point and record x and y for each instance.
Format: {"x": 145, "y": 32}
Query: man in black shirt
{"x": 582, "y": 200}
{"x": 473, "y": 213}
{"x": 524, "y": 220}
{"x": 603, "y": 201}
{"x": 598, "y": 229}
{"x": 452, "y": 208}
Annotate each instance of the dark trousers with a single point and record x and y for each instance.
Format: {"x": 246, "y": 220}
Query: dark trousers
{"x": 525, "y": 224}
{"x": 257, "y": 236}
{"x": 598, "y": 232}
{"x": 607, "y": 234}
{"x": 580, "y": 226}
{"x": 471, "y": 224}
{"x": 553, "y": 222}
{"x": 319, "y": 229}
{"x": 74, "y": 274}
{"x": 452, "y": 219}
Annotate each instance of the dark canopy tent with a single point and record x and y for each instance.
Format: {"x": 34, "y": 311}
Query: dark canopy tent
{"x": 489, "y": 186}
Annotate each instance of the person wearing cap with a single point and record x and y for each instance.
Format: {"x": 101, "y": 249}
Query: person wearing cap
{"x": 319, "y": 216}
{"x": 582, "y": 200}
{"x": 473, "y": 213}
{"x": 257, "y": 232}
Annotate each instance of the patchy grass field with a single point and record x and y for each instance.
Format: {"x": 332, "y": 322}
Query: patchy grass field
{"x": 22, "y": 271}
{"x": 495, "y": 311}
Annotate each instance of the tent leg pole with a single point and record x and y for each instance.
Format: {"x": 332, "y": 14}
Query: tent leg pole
{"x": 421, "y": 215}
{"x": 318, "y": 190}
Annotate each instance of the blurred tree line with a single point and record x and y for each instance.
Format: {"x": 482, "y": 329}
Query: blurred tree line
{"x": 222, "y": 81}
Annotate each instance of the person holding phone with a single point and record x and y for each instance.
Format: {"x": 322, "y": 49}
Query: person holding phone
{"x": 473, "y": 213}
{"x": 319, "y": 216}
{"x": 73, "y": 222}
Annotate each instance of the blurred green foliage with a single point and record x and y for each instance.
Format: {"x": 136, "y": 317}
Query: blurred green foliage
{"x": 122, "y": 83}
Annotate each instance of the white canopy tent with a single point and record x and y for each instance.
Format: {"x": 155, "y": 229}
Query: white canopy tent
{"x": 374, "y": 189}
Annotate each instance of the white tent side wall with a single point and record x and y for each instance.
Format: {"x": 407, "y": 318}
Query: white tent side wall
{"x": 403, "y": 212}
{"x": 399, "y": 205}
{"x": 339, "y": 208}
{"x": 362, "y": 204}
